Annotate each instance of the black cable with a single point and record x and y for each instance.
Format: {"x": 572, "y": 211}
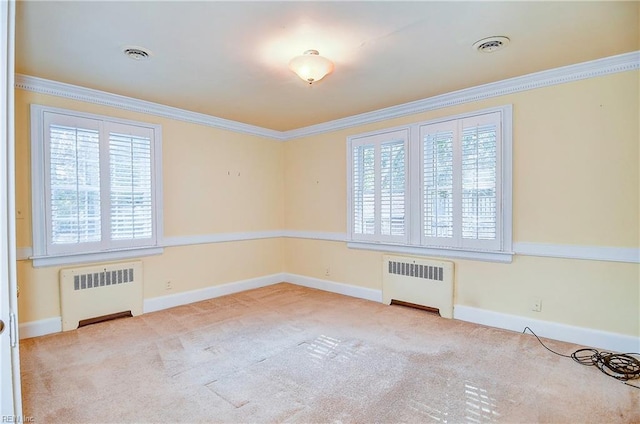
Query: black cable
{"x": 621, "y": 366}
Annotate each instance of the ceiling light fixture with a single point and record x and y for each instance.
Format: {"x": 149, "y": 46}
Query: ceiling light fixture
{"x": 137, "y": 53}
{"x": 310, "y": 66}
{"x": 491, "y": 44}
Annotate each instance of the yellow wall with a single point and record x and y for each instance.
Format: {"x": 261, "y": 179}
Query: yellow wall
{"x": 576, "y": 182}
{"x": 203, "y": 194}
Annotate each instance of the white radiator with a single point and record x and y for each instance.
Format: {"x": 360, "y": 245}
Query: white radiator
{"x": 96, "y": 291}
{"x": 423, "y": 282}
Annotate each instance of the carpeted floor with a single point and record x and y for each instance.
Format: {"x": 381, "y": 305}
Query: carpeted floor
{"x": 286, "y": 353}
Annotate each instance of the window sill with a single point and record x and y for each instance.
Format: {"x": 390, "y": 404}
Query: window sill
{"x": 114, "y": 255}
{"x": 476, "y": 255}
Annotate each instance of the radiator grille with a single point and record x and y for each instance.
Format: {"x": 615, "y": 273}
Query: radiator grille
{"x": 419, "y": 281}
{"x": 104, "y": 278}
{"x": 428, "y": 272}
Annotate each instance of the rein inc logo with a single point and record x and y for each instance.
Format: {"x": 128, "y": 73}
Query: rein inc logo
{"x": 17, "y": 419}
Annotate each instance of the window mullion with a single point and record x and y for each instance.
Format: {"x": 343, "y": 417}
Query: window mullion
{"x": 377, "y": 171}
{"x": 499, "y": 179}
{"x": 457, "y": 184}
{"x": 414, "y": 187}
{"x": 43, "y": 245}
{"x": 105, "y": 187}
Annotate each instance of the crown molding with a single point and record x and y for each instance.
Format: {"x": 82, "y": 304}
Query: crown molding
{"x": 595, "y": 68}
{"x": 60, "y": 89}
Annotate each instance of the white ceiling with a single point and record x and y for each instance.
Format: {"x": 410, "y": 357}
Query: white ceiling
{"x": 229, "y": 59}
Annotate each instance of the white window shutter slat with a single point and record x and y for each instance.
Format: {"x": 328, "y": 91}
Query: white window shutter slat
{"x": 479, "y": 182}
{"x": 363, "y": 189}
{"x": 131, "y": 207}
{"x": 379, "y": 187}
{"x": 392, "y": 188}
{"x": 74, "y": 202}
{"x": 438, "y": 184}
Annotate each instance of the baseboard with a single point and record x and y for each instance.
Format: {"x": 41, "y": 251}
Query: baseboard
{"x": 163, "y": 302}
{"x": 332, "y": 286}
{"x": 40, "y": 328}
{"x": 579, "y": 335}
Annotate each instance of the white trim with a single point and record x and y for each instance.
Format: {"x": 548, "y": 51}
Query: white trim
{"x": 23, "y": 253}
{"x": 334, "y": 287}
{"x": 560, "y": 251}
{"x": 507, "y": 179}
{"x": 315, "y": 235}
{"x": 502, "y": 257}
{"x": 220, "y": 238}
{"x": 595, "y": 68}
{"x": 88, "y": 95}
{"x": 40, "y": 328}
{"x": 553, "y": 330}
{"x": 115, "y": 255}
{"x": 568, "y": 251}
{"x": 10, "y": 386}
{"x": 579, "y": 335}
{"x": 163, "y": 302}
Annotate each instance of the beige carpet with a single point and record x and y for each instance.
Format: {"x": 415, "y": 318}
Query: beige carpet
{"x": 290, "y": 354}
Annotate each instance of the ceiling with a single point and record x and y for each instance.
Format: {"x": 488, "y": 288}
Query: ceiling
{"x": 230, "y": 59}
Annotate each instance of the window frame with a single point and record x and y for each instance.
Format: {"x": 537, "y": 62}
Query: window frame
{"x": 47, "y": 254}
{"x": 377, "y": 139}
{"x": 416, "y": 243}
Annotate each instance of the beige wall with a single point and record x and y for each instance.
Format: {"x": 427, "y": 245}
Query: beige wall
{"x": 214, "y": 181}
{"x": 576, "y": 182}
{"x": 186, "y": 267}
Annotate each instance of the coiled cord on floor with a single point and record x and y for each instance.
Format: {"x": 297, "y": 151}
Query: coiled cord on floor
{"x": 621, "y": 366}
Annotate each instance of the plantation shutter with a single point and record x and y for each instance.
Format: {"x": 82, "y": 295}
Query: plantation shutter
{"x": 461, "y": 183}
{"x": 378, "y": 203}
{"x": 73, "y": 195}
{"x": 438, "y": 142}
{"x": 130, "y": 188}
{"x": 480, "y": 181}
{"x": 392, "y": 188}
{"x": 438, "y": 187}
{"x": 95, "y": 184}
{"x": 363, "y": 189}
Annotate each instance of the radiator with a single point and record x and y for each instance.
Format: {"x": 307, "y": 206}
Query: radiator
{"x": 100, "y": 290}
{"x": 423, "y": 282}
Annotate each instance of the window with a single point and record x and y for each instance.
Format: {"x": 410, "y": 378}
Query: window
{"x": 380, "y": 187}
{"x": 436, "y": 188}
{"x": 97, "y": 183}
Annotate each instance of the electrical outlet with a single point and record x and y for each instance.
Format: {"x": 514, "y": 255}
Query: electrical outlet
{"x": 327, "y": 272}
{"x": 536, "y": 304}
{"x": 168, "y": 286}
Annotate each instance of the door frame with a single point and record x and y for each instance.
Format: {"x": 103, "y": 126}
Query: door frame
{"x": 10, "y": 387}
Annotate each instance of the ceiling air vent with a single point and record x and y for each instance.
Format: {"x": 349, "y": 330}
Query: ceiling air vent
{"x": 137, "y": 53}
{"x": 491, "y": 44}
